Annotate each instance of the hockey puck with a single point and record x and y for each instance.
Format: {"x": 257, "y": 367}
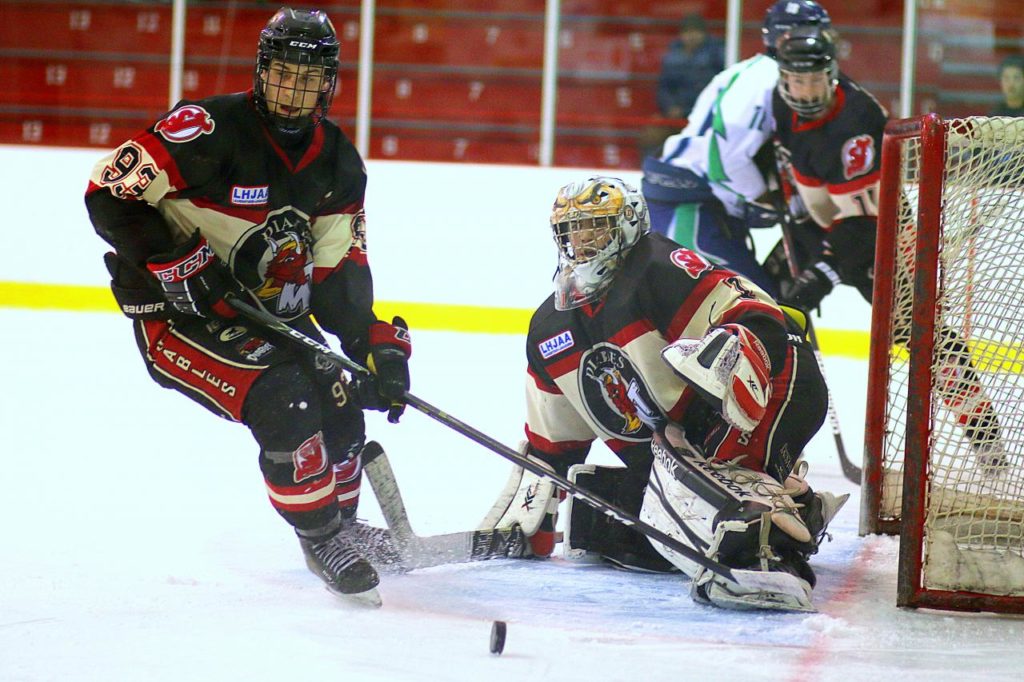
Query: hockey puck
{"x": 498, "y": 630}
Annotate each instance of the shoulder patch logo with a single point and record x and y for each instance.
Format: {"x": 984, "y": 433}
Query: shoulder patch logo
{"x": 249, "y": 196}
{"x": 692, "y": 262}
{"x": 858, "y": 156}
{"x": 185, "y": 124}
{"x": 556, "y": 344}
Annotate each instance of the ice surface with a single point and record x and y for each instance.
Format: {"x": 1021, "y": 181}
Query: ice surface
{"x": 138, "y": 544}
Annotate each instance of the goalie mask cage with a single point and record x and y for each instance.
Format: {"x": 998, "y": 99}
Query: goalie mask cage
{"x": 944, "y": 433}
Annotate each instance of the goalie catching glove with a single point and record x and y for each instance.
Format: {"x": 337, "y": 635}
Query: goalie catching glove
{"x": 729, "y": 368}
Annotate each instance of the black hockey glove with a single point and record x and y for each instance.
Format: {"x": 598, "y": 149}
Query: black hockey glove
{"x": 390, "y": 348}
{"x": 194, "y": 280}
{"x": 811, "y": 286}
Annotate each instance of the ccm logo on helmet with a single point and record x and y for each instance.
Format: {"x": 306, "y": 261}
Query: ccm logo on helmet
{"x": 302, "y": 45}
{"x": 185, "y": 123}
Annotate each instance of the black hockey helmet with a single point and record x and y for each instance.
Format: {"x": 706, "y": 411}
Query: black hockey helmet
{"x": 301, "y": 39}
{"x": 785, "y": 14}
{"x": 808, "y": 50}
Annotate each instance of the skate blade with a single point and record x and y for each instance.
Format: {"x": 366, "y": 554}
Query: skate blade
{"x": 762, "y": 590}
{"x": 369, "y": 599}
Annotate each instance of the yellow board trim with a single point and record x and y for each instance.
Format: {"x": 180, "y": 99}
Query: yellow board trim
{"x": 428, "y": 316}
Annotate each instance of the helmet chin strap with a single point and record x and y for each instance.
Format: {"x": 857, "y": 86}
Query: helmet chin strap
{"x": 291, "y": 127}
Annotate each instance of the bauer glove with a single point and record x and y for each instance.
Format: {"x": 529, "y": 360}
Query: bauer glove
{"x": 194, "y": 280}
{"x": 390, "y": 348}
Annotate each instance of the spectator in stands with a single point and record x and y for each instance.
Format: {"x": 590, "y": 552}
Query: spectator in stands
{"x": 691, "y": 62}
{"x": 1011, "y": 81}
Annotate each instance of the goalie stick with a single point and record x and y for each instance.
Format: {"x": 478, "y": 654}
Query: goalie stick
{"x": 851, "y": 471}
{"x": 297, "y": 338}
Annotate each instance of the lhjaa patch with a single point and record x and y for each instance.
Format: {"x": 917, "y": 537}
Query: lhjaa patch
{"x": 556, "y": 344}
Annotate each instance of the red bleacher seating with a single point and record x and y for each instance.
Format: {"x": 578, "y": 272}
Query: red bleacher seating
{"x": 128, "y": 84}
{"x": 597, "y": 152}
{"x": 661, "y": 9}
{"x": 454, "y": 144}
{"x": 457, "y": 97}
{"x": 441, "y": 65}
{"x": 64, "y": 131}
{"x": 136, "y": 29}
{"x": 608, "y": 104}
{"x": 611, "y": 46}
{"x": 476, "y": 41}
{"x": 492, "y": 6}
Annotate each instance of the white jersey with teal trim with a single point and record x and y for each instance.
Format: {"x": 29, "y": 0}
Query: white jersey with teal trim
{"x": 730, "y": 121}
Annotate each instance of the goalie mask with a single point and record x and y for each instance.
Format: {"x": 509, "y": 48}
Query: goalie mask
{"x": 595, "y": 223}
{"x": 296, "y": 69}
{"x": 808, "y": 70}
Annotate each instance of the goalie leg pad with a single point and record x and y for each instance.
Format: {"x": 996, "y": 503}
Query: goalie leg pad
{"x": 589, "y": 532}
{"x": 739, "y": 517}
{"x": 530, "y": 502}
{"x": 730, "y": 369}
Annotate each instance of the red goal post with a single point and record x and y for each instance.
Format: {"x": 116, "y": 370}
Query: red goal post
{"x": 944, "y": 432}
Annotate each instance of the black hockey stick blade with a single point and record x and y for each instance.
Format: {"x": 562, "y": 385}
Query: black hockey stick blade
{"x": 415, "y": 551}
{"x": 298, "y": 339}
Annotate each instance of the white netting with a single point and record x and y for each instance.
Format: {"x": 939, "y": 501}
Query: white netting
{"x": 975, "y": 500}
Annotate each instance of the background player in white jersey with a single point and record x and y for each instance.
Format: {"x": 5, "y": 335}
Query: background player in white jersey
{"x": 257, "y": 195}
{"x": 709, "y": 186}
{"x": 648, "y": 346}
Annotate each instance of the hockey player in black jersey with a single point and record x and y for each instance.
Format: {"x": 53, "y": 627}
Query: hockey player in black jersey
{"x": 257, "y": 195}
{"x": 829, "y": 139}
{"x": 696, "y": 379}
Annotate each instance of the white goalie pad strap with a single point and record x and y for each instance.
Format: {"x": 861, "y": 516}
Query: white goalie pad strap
{"x": 571, "y": 546}
{"x": 729, "y": 368}
{"x": 686, "y": 494}
{"x": 525, "y": 499}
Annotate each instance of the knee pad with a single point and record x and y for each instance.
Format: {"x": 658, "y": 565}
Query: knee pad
{"x": 283, "y": 407}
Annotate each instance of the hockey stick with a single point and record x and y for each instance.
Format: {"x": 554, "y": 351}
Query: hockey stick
{"x": 422, "y": 552}
{"x": 297, "y": 338}
{"x": 850, "y": 470}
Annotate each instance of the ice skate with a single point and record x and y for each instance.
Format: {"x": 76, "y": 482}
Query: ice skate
{"x": 344, "y": 572}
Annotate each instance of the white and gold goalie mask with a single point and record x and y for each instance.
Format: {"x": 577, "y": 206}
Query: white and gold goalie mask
{"x": 595, "y": 223}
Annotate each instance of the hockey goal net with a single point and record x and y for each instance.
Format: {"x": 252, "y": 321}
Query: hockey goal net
{"x": 945, "y": 418}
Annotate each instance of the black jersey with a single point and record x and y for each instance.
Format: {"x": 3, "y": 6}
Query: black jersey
{"x": 287, "y": 218}
{"x": 597, "y": 371}
{"x": 835, "y": 160}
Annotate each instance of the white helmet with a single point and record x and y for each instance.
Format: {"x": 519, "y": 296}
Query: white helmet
{"x": 595, "y": 223}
